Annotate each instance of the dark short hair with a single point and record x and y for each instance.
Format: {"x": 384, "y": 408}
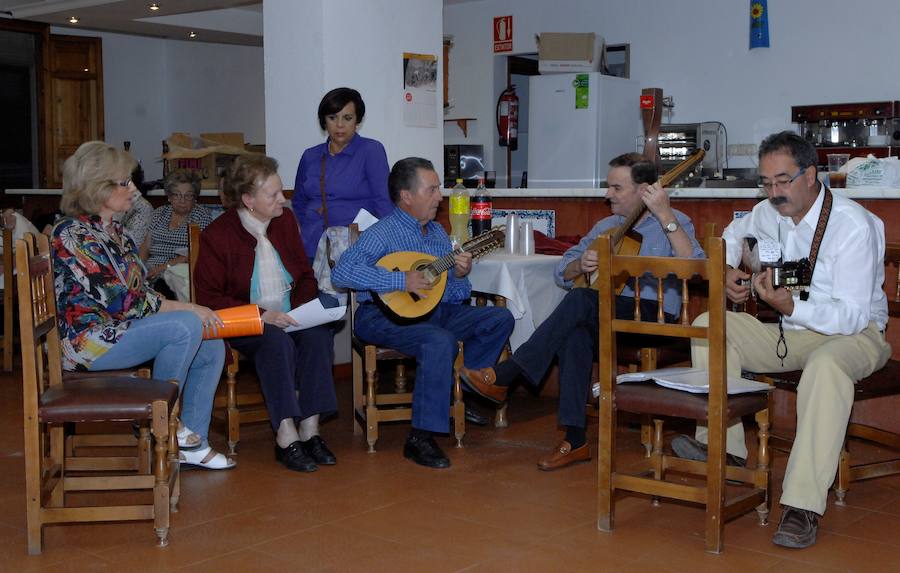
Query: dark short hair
{"x": 405, "y": 175}
{"x": 247, "y": 174}
{"x": 802, "y": 151}
{"x": 642, "y": 169}
{"x": 176, "y": 178}
{"x": 335, "y": 100}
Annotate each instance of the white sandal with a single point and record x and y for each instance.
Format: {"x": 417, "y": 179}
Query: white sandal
{"x": 207, "y": 459}
{"x": 187, "y": 439}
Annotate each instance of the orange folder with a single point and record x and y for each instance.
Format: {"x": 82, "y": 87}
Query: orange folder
{"x": 239, "y": 321}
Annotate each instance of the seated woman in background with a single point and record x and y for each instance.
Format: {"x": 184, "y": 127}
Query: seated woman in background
{"x": 167, "y": 239}
{"x": 253, "y": 253}
{"x": 109, "y": 317}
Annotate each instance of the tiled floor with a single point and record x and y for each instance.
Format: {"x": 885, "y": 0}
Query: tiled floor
{"x": 492, "y": 511}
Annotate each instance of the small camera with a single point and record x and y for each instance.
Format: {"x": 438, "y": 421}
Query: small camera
{"x": 791, "y": 274}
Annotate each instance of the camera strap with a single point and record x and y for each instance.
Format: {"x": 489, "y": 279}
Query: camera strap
{"x": 824, "y": 214}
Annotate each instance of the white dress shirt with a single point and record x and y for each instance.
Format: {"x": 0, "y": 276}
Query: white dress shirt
{"x": 847, "y": 284}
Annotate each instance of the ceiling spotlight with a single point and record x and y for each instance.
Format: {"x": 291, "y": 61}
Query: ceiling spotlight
{"x": 73, "y": 20}
{"x": 154, "y": 6}
{"x": 192, "y": 35}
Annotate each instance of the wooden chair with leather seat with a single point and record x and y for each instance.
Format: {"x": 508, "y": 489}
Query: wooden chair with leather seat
{"x": 234, "y": 407}
{"x": 884, "y": 383}
{"x": 9, "y": 294}
{"x": 715, "y": 409}
{"x": 373, "y": 405}
{"x": 51, "y": 406}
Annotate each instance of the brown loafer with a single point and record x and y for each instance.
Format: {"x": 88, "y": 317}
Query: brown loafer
{"x": 564, "y": 456}
{"x": 482, "y": 381}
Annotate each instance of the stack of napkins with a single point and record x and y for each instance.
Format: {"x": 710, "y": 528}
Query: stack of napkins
{"x": 692, "y": 380}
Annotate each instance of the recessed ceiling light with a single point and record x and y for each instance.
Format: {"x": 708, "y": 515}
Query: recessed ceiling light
{"x": 192, "y": 35}
{"x": 154, "y": 6}
{"x": 73, "y": 20}
{"x": 86, "y": 69}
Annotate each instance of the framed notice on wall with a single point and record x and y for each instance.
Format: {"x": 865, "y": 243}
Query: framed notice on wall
{"x": 420, "y": 90}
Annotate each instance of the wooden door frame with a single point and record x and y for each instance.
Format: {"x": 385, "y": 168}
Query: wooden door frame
{"x": 41, "y": 33}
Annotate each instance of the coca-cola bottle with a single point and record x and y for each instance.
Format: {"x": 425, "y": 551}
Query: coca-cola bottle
{"x": 482, "y": 210}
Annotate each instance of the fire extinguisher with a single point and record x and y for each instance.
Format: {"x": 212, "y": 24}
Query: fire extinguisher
{"x": 508, "y": 118}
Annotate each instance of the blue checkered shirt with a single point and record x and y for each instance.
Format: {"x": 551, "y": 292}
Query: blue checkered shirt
{"x": 399, "y": 231}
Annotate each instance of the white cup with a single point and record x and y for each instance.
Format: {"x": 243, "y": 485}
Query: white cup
{"x": 526, "y": 239}
{"x": 512, "y": 234}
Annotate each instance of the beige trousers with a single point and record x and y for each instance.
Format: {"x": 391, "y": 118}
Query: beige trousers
{"x": 831, "y": 366}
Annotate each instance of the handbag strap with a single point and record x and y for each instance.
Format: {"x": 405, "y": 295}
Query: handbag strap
{"x": 322, "y": 191}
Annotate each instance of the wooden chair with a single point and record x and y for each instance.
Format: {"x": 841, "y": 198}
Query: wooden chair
{"x": 373, "y": 405}
{"x": 234, "y": 407}
{"x": 715, "y": 409}
{"x": 9, "y": 294}
{"x": 51, "y": 406}
{"x": 881, "y": 384}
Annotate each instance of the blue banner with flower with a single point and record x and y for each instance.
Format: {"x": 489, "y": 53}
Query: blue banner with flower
{"x": 759, "y": 24}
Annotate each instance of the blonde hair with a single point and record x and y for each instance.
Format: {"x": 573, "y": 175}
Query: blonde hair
{"x": 90, "y": 176}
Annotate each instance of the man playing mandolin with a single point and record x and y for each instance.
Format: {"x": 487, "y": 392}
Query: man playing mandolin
{"x": 571, "y": 331}
{"x": 415, "y": 189}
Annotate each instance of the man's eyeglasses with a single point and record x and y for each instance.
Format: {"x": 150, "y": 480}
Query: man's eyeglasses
{"x": 181, "y": 196}
{"x": 124, "y": 183}
{"x": 779, "y": 184}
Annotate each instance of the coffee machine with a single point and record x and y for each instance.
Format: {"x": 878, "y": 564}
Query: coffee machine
{"x": 858, "y": 129}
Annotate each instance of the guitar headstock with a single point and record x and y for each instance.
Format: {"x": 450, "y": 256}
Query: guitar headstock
{"x": 683, "y": 169}
{"x": 486, "y": 242}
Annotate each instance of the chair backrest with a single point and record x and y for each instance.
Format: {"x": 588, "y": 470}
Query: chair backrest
{"x": 614, "y": 268}
{"x": 39, "y": 330}
{"x": 353, "y": 236}
{"x": 193, "y": 253}
{"x": 892, "y": 258}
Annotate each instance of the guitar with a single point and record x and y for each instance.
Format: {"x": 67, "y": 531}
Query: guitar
{"x": 624, "y": 239}
{"x": 405, "y": 306}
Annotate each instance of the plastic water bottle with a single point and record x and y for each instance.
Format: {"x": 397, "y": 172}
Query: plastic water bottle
{"x": 459, "y": 214}
{"x": 482, "y": 210}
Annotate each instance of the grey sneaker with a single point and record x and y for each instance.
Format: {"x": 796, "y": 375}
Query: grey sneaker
{"x": 797, "y": 529}
{"x": 690, "y": 449}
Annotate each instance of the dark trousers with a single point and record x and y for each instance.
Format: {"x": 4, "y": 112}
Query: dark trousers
{"x": 432, "y": 342}
{"x": 571, "y": 333}
{"x": 294, "y": 370}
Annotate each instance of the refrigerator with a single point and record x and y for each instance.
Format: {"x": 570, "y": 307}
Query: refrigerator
{"x": 577, "y": 123}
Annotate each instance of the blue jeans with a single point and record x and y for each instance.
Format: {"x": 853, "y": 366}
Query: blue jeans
{"x": 432, "y": 342}
{"x": 173, "y": 340}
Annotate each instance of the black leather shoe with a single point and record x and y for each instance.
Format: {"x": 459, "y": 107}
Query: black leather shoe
{"x": 688, "y": 448}
{"x": 294, "y": 458}
{"x": 797, "y": 529}
{"x": 473, "y": 416}
{"x": 425, "y": 452}
{"x": 316, "y": 449}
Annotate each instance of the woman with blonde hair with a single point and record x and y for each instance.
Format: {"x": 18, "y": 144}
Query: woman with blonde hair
{"x": 109, "y": 318}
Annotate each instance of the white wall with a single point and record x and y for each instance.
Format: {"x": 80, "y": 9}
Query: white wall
{"x": 697, "y": 52}
{"x": 314, "y": 46}
{"x": 152, "y": 87}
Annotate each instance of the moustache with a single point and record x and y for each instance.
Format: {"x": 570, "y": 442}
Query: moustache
{"x": 778, "y": 201}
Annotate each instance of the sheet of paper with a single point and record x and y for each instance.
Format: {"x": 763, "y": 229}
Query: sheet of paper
{"x": 313, "y": 314}
{"x": 692, "y": 380}
{"x": 364, "y": 220}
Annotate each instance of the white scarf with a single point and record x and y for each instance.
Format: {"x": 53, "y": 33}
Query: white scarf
{"x": 270, "y": 277}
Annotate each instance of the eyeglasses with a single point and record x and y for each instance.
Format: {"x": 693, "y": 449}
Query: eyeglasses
{"x": 779, "y": 184}
{"x": 181, "y": 196}
{"x": 125, "y": 183}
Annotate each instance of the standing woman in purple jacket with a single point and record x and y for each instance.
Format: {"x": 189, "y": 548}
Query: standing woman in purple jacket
{"x": 355, "y": 171}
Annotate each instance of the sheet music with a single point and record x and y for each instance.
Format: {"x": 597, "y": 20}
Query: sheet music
{"x": 313, "y": 314}
{"x": 693, "y": 380}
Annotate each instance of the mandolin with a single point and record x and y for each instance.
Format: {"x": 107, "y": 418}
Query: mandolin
{"x": 405, "y": 306}
{"x": 624, "y": 239}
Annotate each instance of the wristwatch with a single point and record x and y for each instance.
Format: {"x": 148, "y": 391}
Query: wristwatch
{"x": 671, "y": 227}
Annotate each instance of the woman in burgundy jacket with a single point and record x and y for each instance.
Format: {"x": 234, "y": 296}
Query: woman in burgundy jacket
{"x": 253, "y": 253}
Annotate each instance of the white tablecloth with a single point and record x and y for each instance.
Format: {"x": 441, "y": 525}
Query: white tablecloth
{"x": 526, "y": 283}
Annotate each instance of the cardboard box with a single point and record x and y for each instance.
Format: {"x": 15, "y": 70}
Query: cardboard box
{"x": 566, "y": 53}
{"x": 210, "y": 155}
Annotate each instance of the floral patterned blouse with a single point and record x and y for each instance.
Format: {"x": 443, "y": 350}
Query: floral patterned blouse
{"x": 100, "y": 287}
